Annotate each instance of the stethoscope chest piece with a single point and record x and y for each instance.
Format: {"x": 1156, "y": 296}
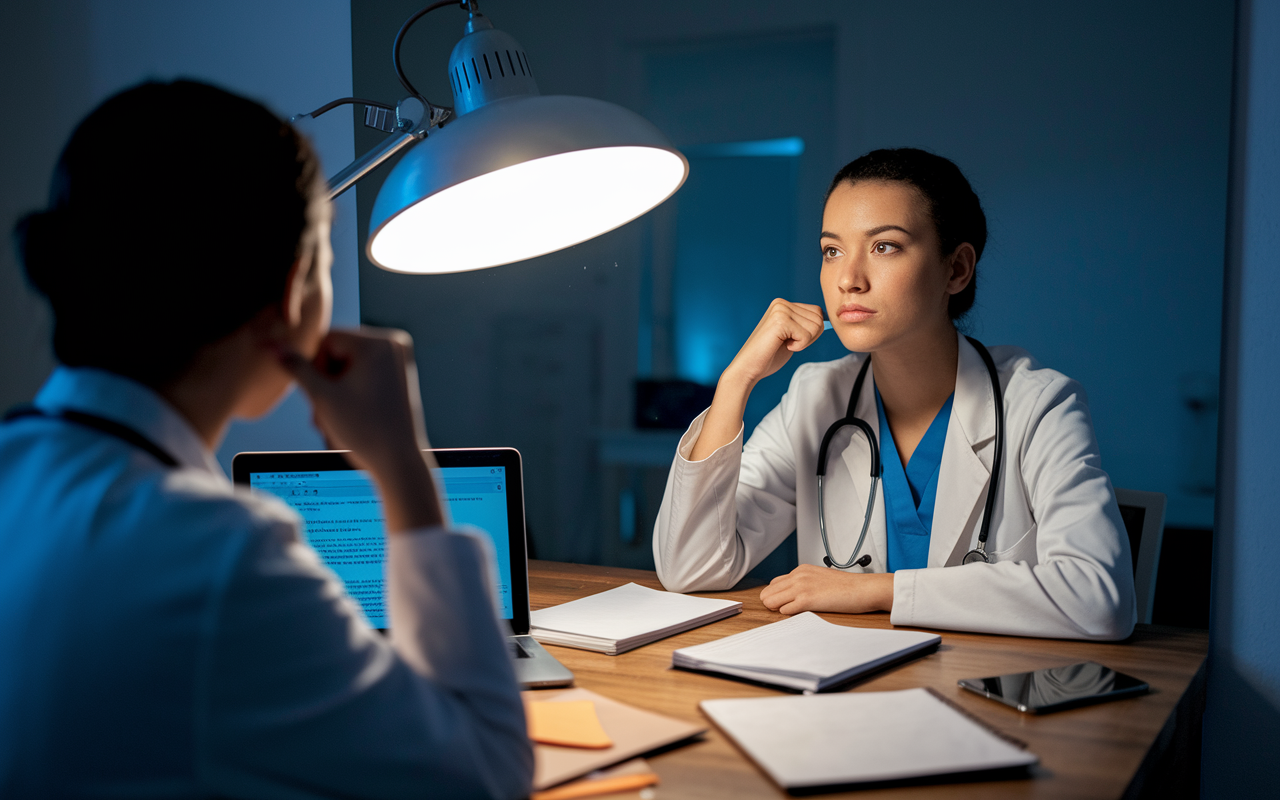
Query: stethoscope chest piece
{"x": 978, "y": 556}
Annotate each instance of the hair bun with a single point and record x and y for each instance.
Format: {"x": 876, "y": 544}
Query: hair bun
{"x": 147, "y": 252}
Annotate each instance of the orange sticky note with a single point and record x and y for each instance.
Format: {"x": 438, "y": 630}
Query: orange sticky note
{"x": 634, "y": 774}
{"x": 572, "y": 723}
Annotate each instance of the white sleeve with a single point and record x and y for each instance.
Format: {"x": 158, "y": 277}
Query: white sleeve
{"x": 721, "y": 516}
{"x": 1082, "y": 585}
{"x": 298, "y": 697}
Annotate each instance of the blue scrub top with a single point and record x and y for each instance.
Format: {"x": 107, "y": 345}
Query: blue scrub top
{"x": 909, "y": 494}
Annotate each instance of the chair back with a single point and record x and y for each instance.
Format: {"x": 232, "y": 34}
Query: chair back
{"x": 1143, "y": 515}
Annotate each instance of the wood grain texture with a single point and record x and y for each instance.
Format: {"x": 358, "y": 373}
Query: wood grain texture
{"x": 1095, "y": 751}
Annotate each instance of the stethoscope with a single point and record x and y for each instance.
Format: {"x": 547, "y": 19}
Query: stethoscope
{"x": 973, "y": 556}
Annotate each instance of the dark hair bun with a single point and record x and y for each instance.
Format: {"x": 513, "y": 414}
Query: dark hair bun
{"x": 176, "y": 212}
{"x": 954, "y": 206}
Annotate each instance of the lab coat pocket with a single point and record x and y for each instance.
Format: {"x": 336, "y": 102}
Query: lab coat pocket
{"x": 1024, "y": 549}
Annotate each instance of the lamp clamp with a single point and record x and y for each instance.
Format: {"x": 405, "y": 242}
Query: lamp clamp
{"x": 410, "y": 112}
{"x": 380, "y": 118}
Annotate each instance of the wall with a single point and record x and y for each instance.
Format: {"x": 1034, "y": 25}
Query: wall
{"x": 1099, "y": 150}
{"x": 44, "y": 80}
{"x": 741, "y": 228}
{"x": 62, "y": 58}
{"x": 1242, "y": 720}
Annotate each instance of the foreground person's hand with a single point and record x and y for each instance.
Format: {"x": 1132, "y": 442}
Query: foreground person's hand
{"x": 364, "y": 395}
{"x": 813, "y": 588}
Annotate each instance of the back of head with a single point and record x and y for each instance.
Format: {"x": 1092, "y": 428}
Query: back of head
{"x": 953, "y": 205}
{"x": 176, "y": 212}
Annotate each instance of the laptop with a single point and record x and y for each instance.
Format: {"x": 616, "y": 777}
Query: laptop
{"x": 342, "y": 517}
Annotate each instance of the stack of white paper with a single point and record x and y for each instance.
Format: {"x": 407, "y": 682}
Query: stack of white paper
{"x": 805, "y": 652}
{"x": 629, "y": 616}
{"x": 860, "y": 737}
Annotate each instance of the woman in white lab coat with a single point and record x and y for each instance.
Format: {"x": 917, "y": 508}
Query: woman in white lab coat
{"x": 902, "y": 233}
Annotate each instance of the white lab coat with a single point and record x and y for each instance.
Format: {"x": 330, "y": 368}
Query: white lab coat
{"x": 1062, "y": 563}
{"x": 165, "y": 634}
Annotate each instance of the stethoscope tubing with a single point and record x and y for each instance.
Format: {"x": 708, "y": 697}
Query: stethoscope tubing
{"x": 822, "y": 527}
{"x": 997, "y": 461}
{"x": 850, "y": 419}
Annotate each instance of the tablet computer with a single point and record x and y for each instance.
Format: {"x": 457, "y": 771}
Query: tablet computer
{"x": 1056, "y": 688}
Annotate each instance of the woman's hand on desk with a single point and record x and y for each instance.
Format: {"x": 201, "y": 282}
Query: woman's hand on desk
{"x": 364, "y": 395}
{"x": 813, "y": 588}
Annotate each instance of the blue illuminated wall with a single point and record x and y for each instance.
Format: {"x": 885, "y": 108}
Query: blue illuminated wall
{"x": 740, "y": 228}
{"x": 734, "y": 234}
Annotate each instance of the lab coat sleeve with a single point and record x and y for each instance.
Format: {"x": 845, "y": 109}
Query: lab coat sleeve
{"x": 302, "y": 699}
{"x": 721, "y": 516}
{"x": 1081, "y": 586}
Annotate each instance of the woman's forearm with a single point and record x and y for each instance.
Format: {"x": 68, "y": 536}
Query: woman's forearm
{"x": 784, "y": 329}
{"x": 409, "y": 497}
{"x": 724, "y": 419}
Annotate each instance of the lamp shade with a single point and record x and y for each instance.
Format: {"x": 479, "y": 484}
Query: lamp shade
{"x": 516, "y": 178}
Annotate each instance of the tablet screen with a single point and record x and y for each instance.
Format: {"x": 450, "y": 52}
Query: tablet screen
{"x": 1057, "y": 687}
{"x": 343, "y": 523}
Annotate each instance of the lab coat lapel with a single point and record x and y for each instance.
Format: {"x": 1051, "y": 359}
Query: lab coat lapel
{"x": 857, "y": 461}
{"x": 965, "y": 471}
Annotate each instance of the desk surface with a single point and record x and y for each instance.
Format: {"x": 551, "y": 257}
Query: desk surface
{"x": 1086, "y": 752}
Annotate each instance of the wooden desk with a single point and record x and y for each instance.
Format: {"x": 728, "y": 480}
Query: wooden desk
{"x": 1146, "y": 746}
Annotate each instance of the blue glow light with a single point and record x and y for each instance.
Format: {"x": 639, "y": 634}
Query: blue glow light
{"x": 789, "y": 146}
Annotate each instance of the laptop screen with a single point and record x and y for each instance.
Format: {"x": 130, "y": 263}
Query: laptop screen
{"x": 343, "y": 521}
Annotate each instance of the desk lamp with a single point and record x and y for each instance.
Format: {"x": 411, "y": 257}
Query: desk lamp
{"x": 505, "y": 174}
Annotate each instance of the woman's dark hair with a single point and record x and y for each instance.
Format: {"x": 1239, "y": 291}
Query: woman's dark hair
{"x": 953, "y": 205}
{"x": 176, "y": 212}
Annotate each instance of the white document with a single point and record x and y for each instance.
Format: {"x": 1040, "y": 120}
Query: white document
{"x": 857, "y": 737}
{"x": 805, "y": 652}
{"x": 625, "y": 617}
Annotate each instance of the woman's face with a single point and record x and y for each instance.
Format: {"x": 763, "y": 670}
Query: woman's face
{"x": 883, "y": 279}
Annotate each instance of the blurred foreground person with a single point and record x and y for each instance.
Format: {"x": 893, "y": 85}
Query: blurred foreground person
{"x": 164, "y": 633}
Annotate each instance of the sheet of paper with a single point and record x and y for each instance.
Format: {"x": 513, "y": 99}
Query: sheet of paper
{"x": 806, "y": 645}
{"x": 856, "y": 737}
{"x": 630, "y": 610}
{"x": 568, "y": 724}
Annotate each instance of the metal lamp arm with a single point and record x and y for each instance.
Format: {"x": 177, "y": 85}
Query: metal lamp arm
{"x": 347, "y": 177}
{"x": 412, "y": 125}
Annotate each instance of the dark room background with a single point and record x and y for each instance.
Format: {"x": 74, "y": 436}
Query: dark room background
{"x": 1099, "y": 151}
{"x": 1097, "y": 135}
